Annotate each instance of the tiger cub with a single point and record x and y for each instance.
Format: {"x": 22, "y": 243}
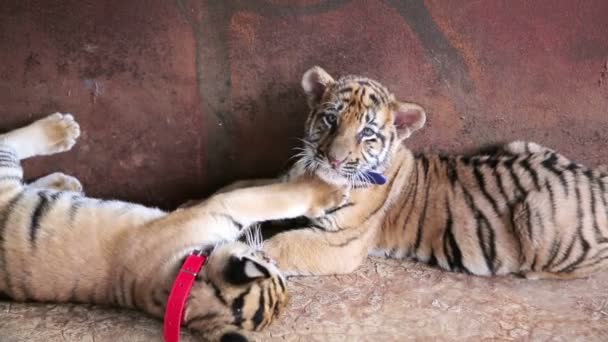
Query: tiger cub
{"x": 524, "y": 209}
{"x": 58, "y": 245}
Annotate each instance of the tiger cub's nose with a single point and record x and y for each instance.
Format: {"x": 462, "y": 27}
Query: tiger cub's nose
{"x": 335, "y": 163}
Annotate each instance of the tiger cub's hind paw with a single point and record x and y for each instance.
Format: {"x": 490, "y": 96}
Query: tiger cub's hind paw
{"x": 59, "y": 133}
{"x": 58, "y": 181}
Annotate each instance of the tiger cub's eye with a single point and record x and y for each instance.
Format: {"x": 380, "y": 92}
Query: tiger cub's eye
{"x": 367, "y": 132}
{"x": 330, "y": 118}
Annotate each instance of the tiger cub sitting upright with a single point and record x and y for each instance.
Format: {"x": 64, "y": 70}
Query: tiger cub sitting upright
{"x": 57, "y": 245}
{"x": 523, "y": 209}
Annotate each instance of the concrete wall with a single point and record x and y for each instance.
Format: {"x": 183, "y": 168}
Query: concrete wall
{"x": 178, "y": 97}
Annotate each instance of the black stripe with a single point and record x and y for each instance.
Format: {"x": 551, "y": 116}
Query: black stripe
{"x": 446, "y": 246}
{"x": 5, "y": 216}
{"x": 45, "y": 204}
{"x": 374, "y": 99}
{"x": 6, "y": 151}
{"x": 281, "y": 284}
{"x": 432, "y": 259}
{"x": 76, "y": 202}
{"x": 593, "y": 263}
{"x": 549, "y": 164}
{"x": 579, "y": 217}
{"x": 333, "y": 210}
{"x": 9, "y": 160}
{"x": 525, "y": 163}
{"x": 573, "y": 166}
{"x": 596, "y": 227}
{"x": 362, "y": 92}
{"x": 452, "y": 171}
{"x": 425, "y": 164}
{"x": 568, "y": 251}
{"x": 533, "y": 265}
{"x": 555, "y": 247}
{"x": 501, "y": 187}
{"x": 414, "y": 186}
{"x": 582, "y": 257}
{"x": 529, "y": 223}
{"x": 552, "y": 200}
{"x": 258, "y": 317}
{"x": 270, "y": 297}
{"x": 485, "y": 233}
{"x": 541, "y": 228}
{"x": 509, "y": 165}
{"x": 201, "y": 318}
{"x": 481, "y": 182}
{"x": 237, "y": 307}
{"x": 11, "y": 165}
{"x": 456, "y": 260}
{"x": 584, "y": 244}
{"x": 218, "y": 293}
{"x": 422, "y": 217}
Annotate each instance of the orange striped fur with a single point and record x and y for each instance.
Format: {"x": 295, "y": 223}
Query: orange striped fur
{"x": 58, "y": 245}
{"x": 522, "y": 209}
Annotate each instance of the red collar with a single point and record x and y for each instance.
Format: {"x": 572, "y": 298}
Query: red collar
{"x": 179, "y": 294}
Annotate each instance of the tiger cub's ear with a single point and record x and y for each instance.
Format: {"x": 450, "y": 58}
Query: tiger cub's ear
{"x": 314, "y": 82}
{"x": 408, "y": 118}
{"x": 240, "y": 271}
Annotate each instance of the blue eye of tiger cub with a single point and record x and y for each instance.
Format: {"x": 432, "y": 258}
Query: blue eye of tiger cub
{"x": 330, "y": 119}
{"x": 367, "y": 132}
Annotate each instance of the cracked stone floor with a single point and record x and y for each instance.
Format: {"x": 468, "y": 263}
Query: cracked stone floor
{"x": 385, "y": 300}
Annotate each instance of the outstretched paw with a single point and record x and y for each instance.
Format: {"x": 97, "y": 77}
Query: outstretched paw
{"x": 327, "y": 199}
{"x": 59, "y": 132}
{"x": 58, "y": 181}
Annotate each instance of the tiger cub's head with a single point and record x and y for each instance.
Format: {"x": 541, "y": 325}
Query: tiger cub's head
{"x": 239, "y": 288}
{"x": 354, "y": 125}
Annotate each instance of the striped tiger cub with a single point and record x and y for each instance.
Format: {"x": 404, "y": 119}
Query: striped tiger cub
{"x": 523, "y": 209}
{"x": 56, "y": 245}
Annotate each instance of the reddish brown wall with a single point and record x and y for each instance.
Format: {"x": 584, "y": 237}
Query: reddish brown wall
{"x": 177, "y": 97}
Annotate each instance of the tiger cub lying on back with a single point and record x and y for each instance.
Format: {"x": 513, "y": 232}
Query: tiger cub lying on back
{"x": 525, "y": 209}
{"x": 57, "y": 245}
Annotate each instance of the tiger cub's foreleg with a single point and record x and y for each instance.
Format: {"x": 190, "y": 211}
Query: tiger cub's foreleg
{"x": 307, "y": 196}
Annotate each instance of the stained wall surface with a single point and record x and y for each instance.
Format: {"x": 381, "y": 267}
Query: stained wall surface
{"x": 177, "y": 97}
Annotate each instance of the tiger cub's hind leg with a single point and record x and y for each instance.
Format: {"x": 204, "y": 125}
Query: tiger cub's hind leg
{"x": 57, "y": 181}
{"x": 53, "y": 134}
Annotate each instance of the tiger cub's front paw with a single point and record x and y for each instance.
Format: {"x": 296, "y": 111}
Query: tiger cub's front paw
{"x": 327, "y": 198}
